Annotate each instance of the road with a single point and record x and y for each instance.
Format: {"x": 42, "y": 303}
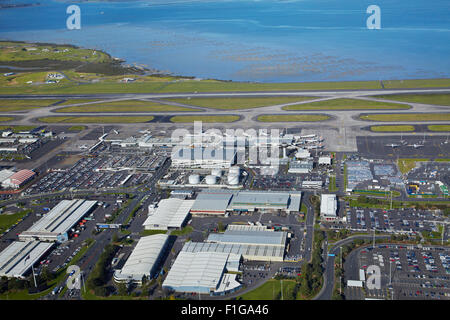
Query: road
{"x": 327, "y": 289}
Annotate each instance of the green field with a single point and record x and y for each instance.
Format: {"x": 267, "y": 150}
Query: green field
{"x": 438, "y": 99}
{"x": 293, "y": 118}
{"x": 7, "y": 220}
{"x": 25, "y": 104}
{"x": 407, "y": 117}
{"x": 209, "y": 119}
{"x": 17, "y": 51}
{"x": 439, "y": 127}
{"x": 417, "y": 83}
{"x": 93, "y": 119}
{"x": 17, "y": 129}
{"x": 392, "y": 128}
{"x": 238, "y": 103}
{"x": 271, "y": 290}
{"x": 346, "y": 104}
{"x": 125, "y": 106}
{"x": 406, "y": 165}
{"x": 77, "y": 128}
{"x": 5, "y": 119}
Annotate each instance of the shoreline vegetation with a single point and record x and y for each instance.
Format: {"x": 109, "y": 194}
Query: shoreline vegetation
{"x": 89, "y": 71}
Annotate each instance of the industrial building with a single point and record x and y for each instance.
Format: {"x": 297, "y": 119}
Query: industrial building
{"x": 19, "y": 256}
{"x": 18, "y": 179}
{"x": 5, "y": 174}
{"x": 212, "y": 202}
{"x": 170, "y": 214}
{"x": 58, "y": 221}
{"x": 252, "y": 242}
{"x": 144, "y": 260}
{"x": 202, "y": 272}
{"x": 266, "y": 201}
{"x": 304, "y": 166}
{"x": 328, "y": 207}
{"x": 199, "y": 157}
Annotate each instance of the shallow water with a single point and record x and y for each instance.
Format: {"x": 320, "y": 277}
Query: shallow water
{"x": 267, "y": 40}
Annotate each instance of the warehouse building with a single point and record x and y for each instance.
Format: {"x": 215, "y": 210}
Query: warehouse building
{"x": 303, "y": 166}
{"x": 5, "y": 174}
{"x": 202, "y": 272}
{"x": 144, "y": 260}
{"x": 18, "y": 179}
{"x": 266, "y": 201}
{"x": 170, "y": 214}
{"x": 212, "y": 202}
{"x": 328, "y": 207}
{"x": 17, "y": 259}
{"x": 58, "y": 221}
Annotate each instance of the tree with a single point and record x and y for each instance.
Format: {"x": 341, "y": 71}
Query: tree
{"x": 122, "y": 289}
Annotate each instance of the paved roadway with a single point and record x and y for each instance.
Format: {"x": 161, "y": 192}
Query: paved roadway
{"x": 327, "y": 289}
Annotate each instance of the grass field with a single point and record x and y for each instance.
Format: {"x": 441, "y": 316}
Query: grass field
{"x": 438, "y": 99}
{"x": 7, "y": 220}
{"x": 293, "y": 118}
{"x": 5, "y": 119}
{"x": 125, "y": 106}
{"x": 93, "y": 119}
{"x": 439, "y": 127}
{"x": 77, "y": 128}
{"x": 238, "y": 103}
{"x": 16, "y": 51}
{"x": 407, "y": 117}
{"x": 17, "y": 129}
{"x": 417, "y": 83}
{"x": 271, "y": 290}
{"x": 25, "y": 104}
{"x": 346, "y": 104}
{"x": 207, "y": 119}
{"x": 406, "y": 165}
{"x": 392, "y": 128}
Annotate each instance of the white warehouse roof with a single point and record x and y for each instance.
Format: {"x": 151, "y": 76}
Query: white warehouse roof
{"x": 193, "y": 271}
{"x": 328, "y": 205}
{"x": 143, "y": 259}
{"x": 61, "y": 218}
{"x": 18, "y": 257}
{"x": 170, "y": 213}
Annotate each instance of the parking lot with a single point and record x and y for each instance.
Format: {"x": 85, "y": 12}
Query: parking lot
{"x": 87, "y": 173}
{"x": 408, "y": 272}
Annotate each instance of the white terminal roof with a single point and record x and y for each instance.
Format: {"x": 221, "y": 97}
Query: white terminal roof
{"x": 143, "y": 258}
{"x": 62, "y": 217}
{"x": 196, "y": 269}
{"x": 328, "y": 205}
{"x": 18, "y": 257}
{"x": 170, "y": 213}
{"x": 324, "y": 160}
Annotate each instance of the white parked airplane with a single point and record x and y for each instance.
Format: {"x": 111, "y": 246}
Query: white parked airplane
{"x": 392, "y": 145}
{"x": 415, "y": 145}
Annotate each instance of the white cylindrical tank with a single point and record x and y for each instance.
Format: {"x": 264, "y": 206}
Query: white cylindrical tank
{"x": 210, "y": 179}
{"x": 194, "y": 179}
{"x": 216, "y": 172}
{"x": 233, "y": 179}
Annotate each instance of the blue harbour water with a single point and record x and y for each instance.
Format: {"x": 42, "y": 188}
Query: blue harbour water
{"x": 265, "y": 40}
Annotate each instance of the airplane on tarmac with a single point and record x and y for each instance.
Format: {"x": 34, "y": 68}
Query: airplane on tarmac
{"x": 392, "y": 145}
{"x": 415, "y": 145}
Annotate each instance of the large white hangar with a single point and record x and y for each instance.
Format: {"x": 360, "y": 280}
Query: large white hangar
{"x": 144, "y": 260}
{"x": 171, "y": 213}
{"x": 266, "y": 201}
{"x": 58, "y": 221}
{"x": 18, "y": 257}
